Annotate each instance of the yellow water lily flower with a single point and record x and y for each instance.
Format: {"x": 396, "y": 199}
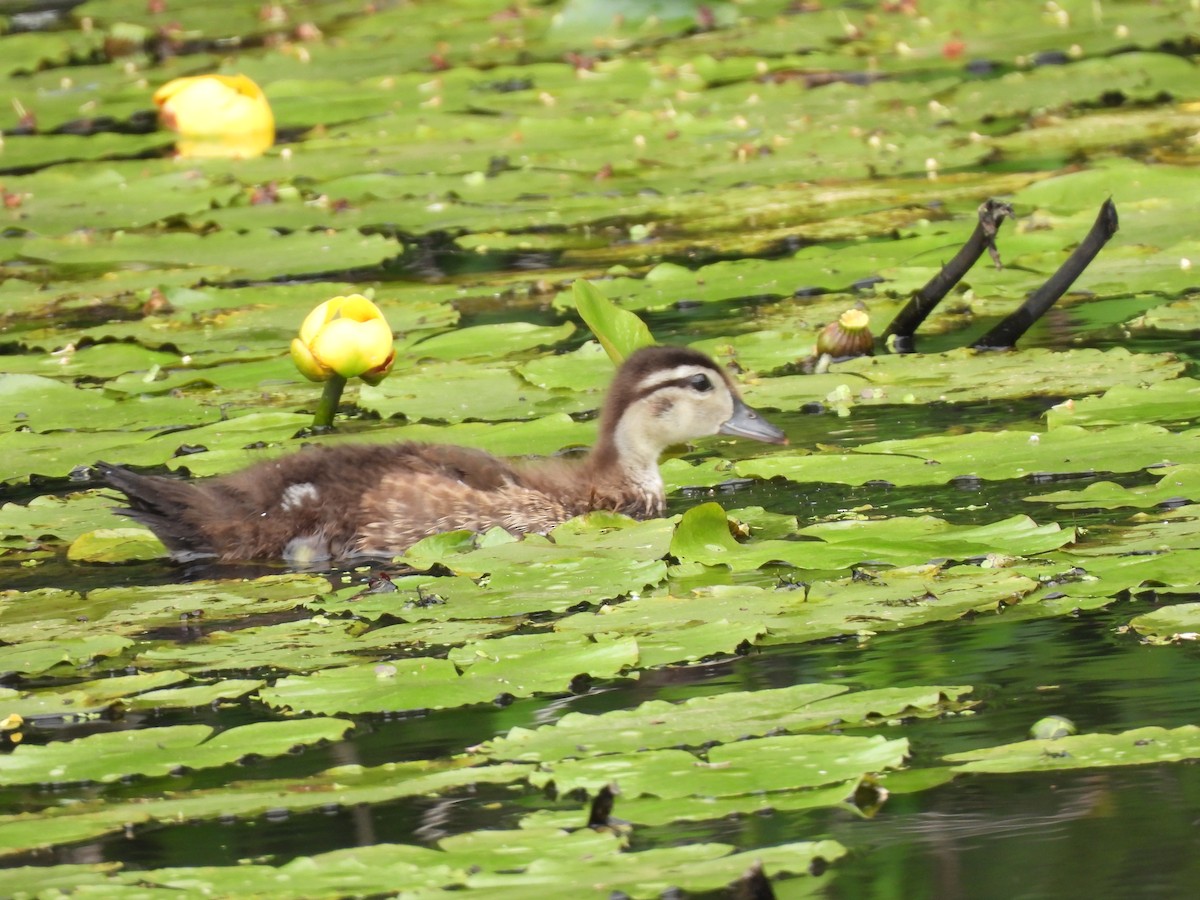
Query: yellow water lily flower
{"x": 346, "y": 336}
{"x": 216, "y": 116}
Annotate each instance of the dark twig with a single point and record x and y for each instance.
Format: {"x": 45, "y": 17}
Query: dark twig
{"x": 908, "y": 320}
{"x": 600, "y": 815}
{"x": 753, "y": 885}
{"x": 1006, "y": 334}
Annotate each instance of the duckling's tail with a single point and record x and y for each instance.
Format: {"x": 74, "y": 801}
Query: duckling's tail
{"x": 161, "y": 505}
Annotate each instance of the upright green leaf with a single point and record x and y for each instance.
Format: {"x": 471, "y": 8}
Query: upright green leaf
{"x": 618, "y": 330}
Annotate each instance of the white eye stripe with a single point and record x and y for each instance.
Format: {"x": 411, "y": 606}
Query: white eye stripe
{"x": 679, "y": 374}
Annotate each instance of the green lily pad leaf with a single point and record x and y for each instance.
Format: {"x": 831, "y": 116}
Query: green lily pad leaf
{"x": 1112, "y": 569}
{"x": 587, "y": 369}
{"x": 146, "y": 197}
{"x": 346, "y": 786}
{"x": 697, "y": 641}
{"x": 898, "y": 598}
{"x": 704, "y": 536}
{"x": 33, "y": 50}
{"x": 1141, "y": 746}
{"x": 587, "y": 18}
{"x": 721, "y": 718}
{"x": 1181, "y": 316}
{"x": 673, "y": 630}
{"x": 619, "y": 331}
{"x": 1178, "y": 622}
{"x": 287, "y": 646}
{"x": 38, "y": 657}
{"x": 529, "y": 664}
{"x": 602, "y": 531}
{"x": 44, "y": 404}
{"x": 154, "y": 752}
{"x": 499, "y": 863}
{"x": 195, "y": 695}
{"x": 1162, "y": 402}
{"x": 56, "y": 518}
{"x": 969, "y": 375}
{"x": 534, "y": 571}
{"x": 1176, "y": 530}
{"x": 761, "y": 351}
{"x": 326, "y": 875}
{"x": 229, "y": 443}
{"x": 39, "y": 150}
{"x": 594, "y": 534}
{"x": 134, "y": 610}
{"x": 89, "y": 697}
{"x": 106, "y": 360}
{"x": 454, "y": 393}
{"x": 116, "y": 545}
{"x": 1018, "y": 535}
{"x": 994, "y": 456}
{"x": 1177, "y": 483}
{"x": 650, "y": 873}
{"x": 491, "y": 341}
{"x": 28, "y": 881}
{"x": 252, "y": 255}
{"x": 655, "y": 812}
{"x": 433, "y": 633}
{"x": 511, "y": 589}
{"x": 788, "y": 763}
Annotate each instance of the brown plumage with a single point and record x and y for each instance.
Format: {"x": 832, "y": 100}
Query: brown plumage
{"x": 377, "y": 500}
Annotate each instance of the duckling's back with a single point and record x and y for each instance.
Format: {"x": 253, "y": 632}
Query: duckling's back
{"x": 321, "y": 503}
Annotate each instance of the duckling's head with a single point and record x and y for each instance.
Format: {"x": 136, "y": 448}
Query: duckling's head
{"x": 670, "y": 395}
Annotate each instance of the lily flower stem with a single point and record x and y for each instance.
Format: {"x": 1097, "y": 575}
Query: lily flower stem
{"x": 330, "y": 398}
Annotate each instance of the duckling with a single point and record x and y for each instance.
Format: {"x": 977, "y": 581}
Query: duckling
{"x": 332, "y": 503}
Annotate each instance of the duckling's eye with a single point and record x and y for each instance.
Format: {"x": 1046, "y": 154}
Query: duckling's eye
{"x": 700, "y": 383}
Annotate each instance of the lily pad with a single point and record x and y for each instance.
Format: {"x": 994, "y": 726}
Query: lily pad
{"x": 537, "y": 663}
{"x": 116, "y": 545}
{"x": 993, "y": 456}
{"x": 1177, "y": 483}
{"x": 793, "y": 762}
{"x": 1178, "y": 622}
{"x": 703, "y": 536}
{"x": 1141, "y": 746}
{"x": 80, "y": 700}
{"x": 346, "y": 785}
{"x": 1161, "y": 402}
{"x": 721, "y": 718}
{"x": 154, "y": 752}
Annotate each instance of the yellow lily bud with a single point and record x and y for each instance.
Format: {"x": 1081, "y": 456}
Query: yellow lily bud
{"x": 346, "y": 336}
{"x": 216, "y": 116}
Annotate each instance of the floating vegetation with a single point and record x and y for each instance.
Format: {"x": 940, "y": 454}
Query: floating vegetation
{"x": 956, "y": 544}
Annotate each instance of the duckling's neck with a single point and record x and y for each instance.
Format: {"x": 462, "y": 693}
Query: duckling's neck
{"x": 625, "y": 462}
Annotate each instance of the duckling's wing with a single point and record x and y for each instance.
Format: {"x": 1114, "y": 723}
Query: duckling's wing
{"x": 462, "y": 466}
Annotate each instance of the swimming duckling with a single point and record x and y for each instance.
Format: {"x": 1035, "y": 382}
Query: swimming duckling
{"x": 377, "y": 500}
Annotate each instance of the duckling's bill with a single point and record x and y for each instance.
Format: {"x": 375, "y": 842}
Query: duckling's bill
{"x": 746, "y": 422}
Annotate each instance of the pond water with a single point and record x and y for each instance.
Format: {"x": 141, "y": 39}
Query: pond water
{"x": 954, "y": 545}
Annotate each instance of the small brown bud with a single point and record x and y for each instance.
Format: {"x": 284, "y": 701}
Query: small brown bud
{"x": 849, "y": 336}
